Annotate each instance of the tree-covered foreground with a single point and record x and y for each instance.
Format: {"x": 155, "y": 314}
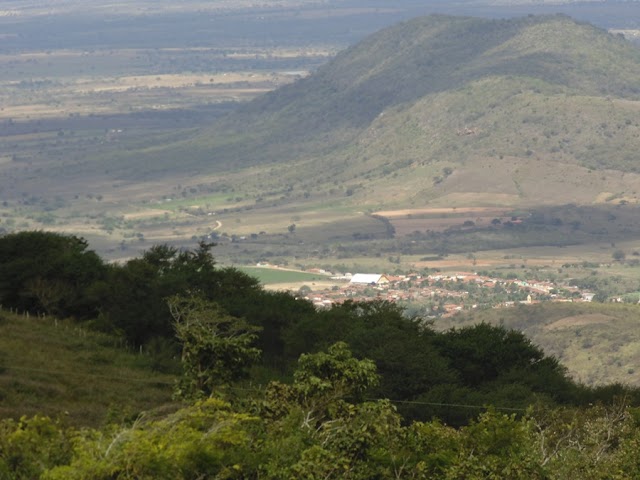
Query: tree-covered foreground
{"x": 272, "y": 388}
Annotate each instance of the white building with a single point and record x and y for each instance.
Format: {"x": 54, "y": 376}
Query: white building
{"x": 369, "y": 279}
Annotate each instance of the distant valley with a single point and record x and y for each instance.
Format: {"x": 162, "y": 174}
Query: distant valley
{"x": 387, "y": 150}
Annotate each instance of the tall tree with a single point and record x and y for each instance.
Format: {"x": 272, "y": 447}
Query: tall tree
{"x": 217, "y": 348}
{"x": 402, "y": 348}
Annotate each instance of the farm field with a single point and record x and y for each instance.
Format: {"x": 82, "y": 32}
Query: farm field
{"x": 65, "y": 111}
{"x": 269, "y": 276}
{"x": 62, "y": 84}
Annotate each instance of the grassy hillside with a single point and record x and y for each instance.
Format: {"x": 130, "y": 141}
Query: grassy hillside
{"x": 598, "y": 343}
{"x": 520, "y": 110}
{"x": 429, "y": 55}
{"x": 507, "y": 141}
{"x": 55, "y": 368}
{"x": 402, "y": 64}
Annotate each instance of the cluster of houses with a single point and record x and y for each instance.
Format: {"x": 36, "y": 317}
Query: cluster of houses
{"x": 445, "y": 294}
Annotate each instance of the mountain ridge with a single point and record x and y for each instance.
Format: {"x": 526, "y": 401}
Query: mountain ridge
{"x": 385, "y": 69}
{"x": 472, "y": 97}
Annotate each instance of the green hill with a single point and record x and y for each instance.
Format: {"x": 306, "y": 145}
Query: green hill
{"x": 399, "y": 66}
{"x": 60, "y": 369}
{"x": 521, "y": 111}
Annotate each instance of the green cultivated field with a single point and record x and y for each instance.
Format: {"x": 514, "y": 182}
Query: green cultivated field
{"x": 270, "y": 275}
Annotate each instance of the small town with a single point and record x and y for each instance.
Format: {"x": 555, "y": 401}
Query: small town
{"x": 441, "y": 294}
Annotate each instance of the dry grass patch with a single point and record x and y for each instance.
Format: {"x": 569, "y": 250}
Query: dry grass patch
{"x": 439, "y": 211}
{"x": 580, "y": 320}
{"x": 140, "y": 93}
{"x": 179, "y": 81}
{"x": 152, "y": 212}
{"x": 295, "y": 286}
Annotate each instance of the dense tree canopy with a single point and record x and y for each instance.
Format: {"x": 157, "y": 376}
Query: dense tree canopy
{"x": 133, "y": 299}
{"x": 315, "y": 428}
{"x": 54, "y": 273}
{"x": 425, "y": 370}
{"x": 216, "y": 347}
{"x": 48, "y": 272}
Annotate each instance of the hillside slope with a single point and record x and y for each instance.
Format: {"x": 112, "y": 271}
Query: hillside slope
{"x": 59, "y": 369}
{"x": 516, "y": 111}
{"x": 401, "y": 65}
{"x": 598, "y": 343}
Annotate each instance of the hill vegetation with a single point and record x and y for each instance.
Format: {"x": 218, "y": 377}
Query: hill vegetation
{"x": 272, "y": 388}
{"x": 475, "y": 365}
{"x": 69, "y": 371}
{"x": 596, "y": 342}
{"x": 524, "y": 96}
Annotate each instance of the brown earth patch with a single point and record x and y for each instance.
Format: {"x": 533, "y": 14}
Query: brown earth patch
{"x": 316, "y": 285}
{"x": 406, "y": 221}
{"x": 145, "y": 214}
{"x": 461, "y": 264}
{"x": 440, "y": 210}
{"x": 579, "y": 320}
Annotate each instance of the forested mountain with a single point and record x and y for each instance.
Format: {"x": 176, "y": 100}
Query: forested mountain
{"x": 521, "y": 110}
{"x": 399, "y": 66}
